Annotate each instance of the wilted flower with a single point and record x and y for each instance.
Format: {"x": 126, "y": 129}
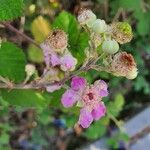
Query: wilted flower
{"x": 110, "y": 46}
{"x": 88, "y": 98}
{"x": 123, "y": 64}
{"x": 121, "y": 32}
{"x": 86, "y": 17}
{"x": 53, "y": 58}
{"x": 58, "y": 40}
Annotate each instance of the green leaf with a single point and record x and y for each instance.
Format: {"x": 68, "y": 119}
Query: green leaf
{"x": 35, "y": 54}
{"x": 12, "y": 62}
{"x": 143, "y": 26}
{"x": 10, "y": 9}
{"x": 25, "y": 98}
{"x": 78, "y": 40}
{"x": 95, "y": 131}
{"x": 4, "y": 138}
{"x": 114, "y": 107}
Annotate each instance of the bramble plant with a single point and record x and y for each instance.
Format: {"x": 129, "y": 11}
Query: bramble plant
{"x": 102, "y": 53}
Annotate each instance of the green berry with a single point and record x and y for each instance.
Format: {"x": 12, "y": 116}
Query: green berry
{"x": 99, "y": 26}
{"x": 110, "y": 46}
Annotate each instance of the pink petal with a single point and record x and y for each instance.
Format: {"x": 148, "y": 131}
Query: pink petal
{"x": 99, "y": 111}
{"x": 85, "y": 118}
{"x": 68, "y": 62}
{"x": 53, "y": 88}
{"x": 47, "y": 50}
{"x": 101, "y": 88}
{"x": 78, "y": 83}
{"x": 69, "y": 98}
{"x": 55, "y": 60}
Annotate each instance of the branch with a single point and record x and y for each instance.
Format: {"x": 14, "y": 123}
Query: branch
{"x": 39, "y": 85}
{"x": 10, "y": 27}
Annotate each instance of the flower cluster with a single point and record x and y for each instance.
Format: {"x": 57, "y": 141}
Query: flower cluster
{"x": 88, "y": 97}
{"x": 56, "y": 52}
{"x": 108, "y": 38}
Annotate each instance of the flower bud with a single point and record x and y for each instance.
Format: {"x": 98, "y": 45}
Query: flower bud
{"x": 29, "y": 69}
{"x": 121, "y": 32}
{"x": 86, "y": 17}
{"x": 123, "y": 64}
{"x": 99, "y": 26}
{"x": 110, "y": 46}
{"x": 58, "y": 40}
{"x": 68, "y": 62}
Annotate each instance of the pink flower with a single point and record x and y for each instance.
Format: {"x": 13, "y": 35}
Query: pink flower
{"x": 88, "y": 98}
{"x": 68, "y": 62}
{"x": 54, "y": 59}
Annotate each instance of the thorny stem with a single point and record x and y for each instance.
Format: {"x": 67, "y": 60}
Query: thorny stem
{"x": 13, "y": 29}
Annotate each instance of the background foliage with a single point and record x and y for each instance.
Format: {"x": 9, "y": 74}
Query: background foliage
{"x": 38, "y": 115}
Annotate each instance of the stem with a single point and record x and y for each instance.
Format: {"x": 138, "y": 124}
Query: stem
{"x": 10, "y": 27}
{"x": 115, "y": 121}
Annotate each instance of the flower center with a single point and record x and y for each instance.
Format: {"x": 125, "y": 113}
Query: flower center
{"x": 90, "y": 95}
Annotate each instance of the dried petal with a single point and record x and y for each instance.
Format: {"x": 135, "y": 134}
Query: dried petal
{"x": 86, "y": 17}
{"x": 122, "y": 32}
{"x": 58, "y": 40}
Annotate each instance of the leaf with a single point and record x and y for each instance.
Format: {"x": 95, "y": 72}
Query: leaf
{"x": 40, "y": 29}
{"x": 143, "y": 26}
{"x": 12, "y": 62}
{"x": 25, "y": 98}
{"x": 114, "y": 107}
{"x": 78, "y": 40}
{"x": 35, "y": 54}
{"x": 95, "y": 131}
{"x": 10, "y": 9}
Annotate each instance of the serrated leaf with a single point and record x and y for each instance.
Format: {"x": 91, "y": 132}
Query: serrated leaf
{"x": 40, "y": 29}
{"x": 78, "y": 41}
{"x": 35, "y": 54}
{"x": 25, "y": 98}
{"x": 10, "y": 9}
{"x": 12, "y": 62}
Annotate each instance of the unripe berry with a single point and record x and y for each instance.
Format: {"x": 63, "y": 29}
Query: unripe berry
{"x": 30, "y": 69}
{"x": 99, "y": 26}
{"x": 86, "y": 17}
{"x": 110, "y": 46}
